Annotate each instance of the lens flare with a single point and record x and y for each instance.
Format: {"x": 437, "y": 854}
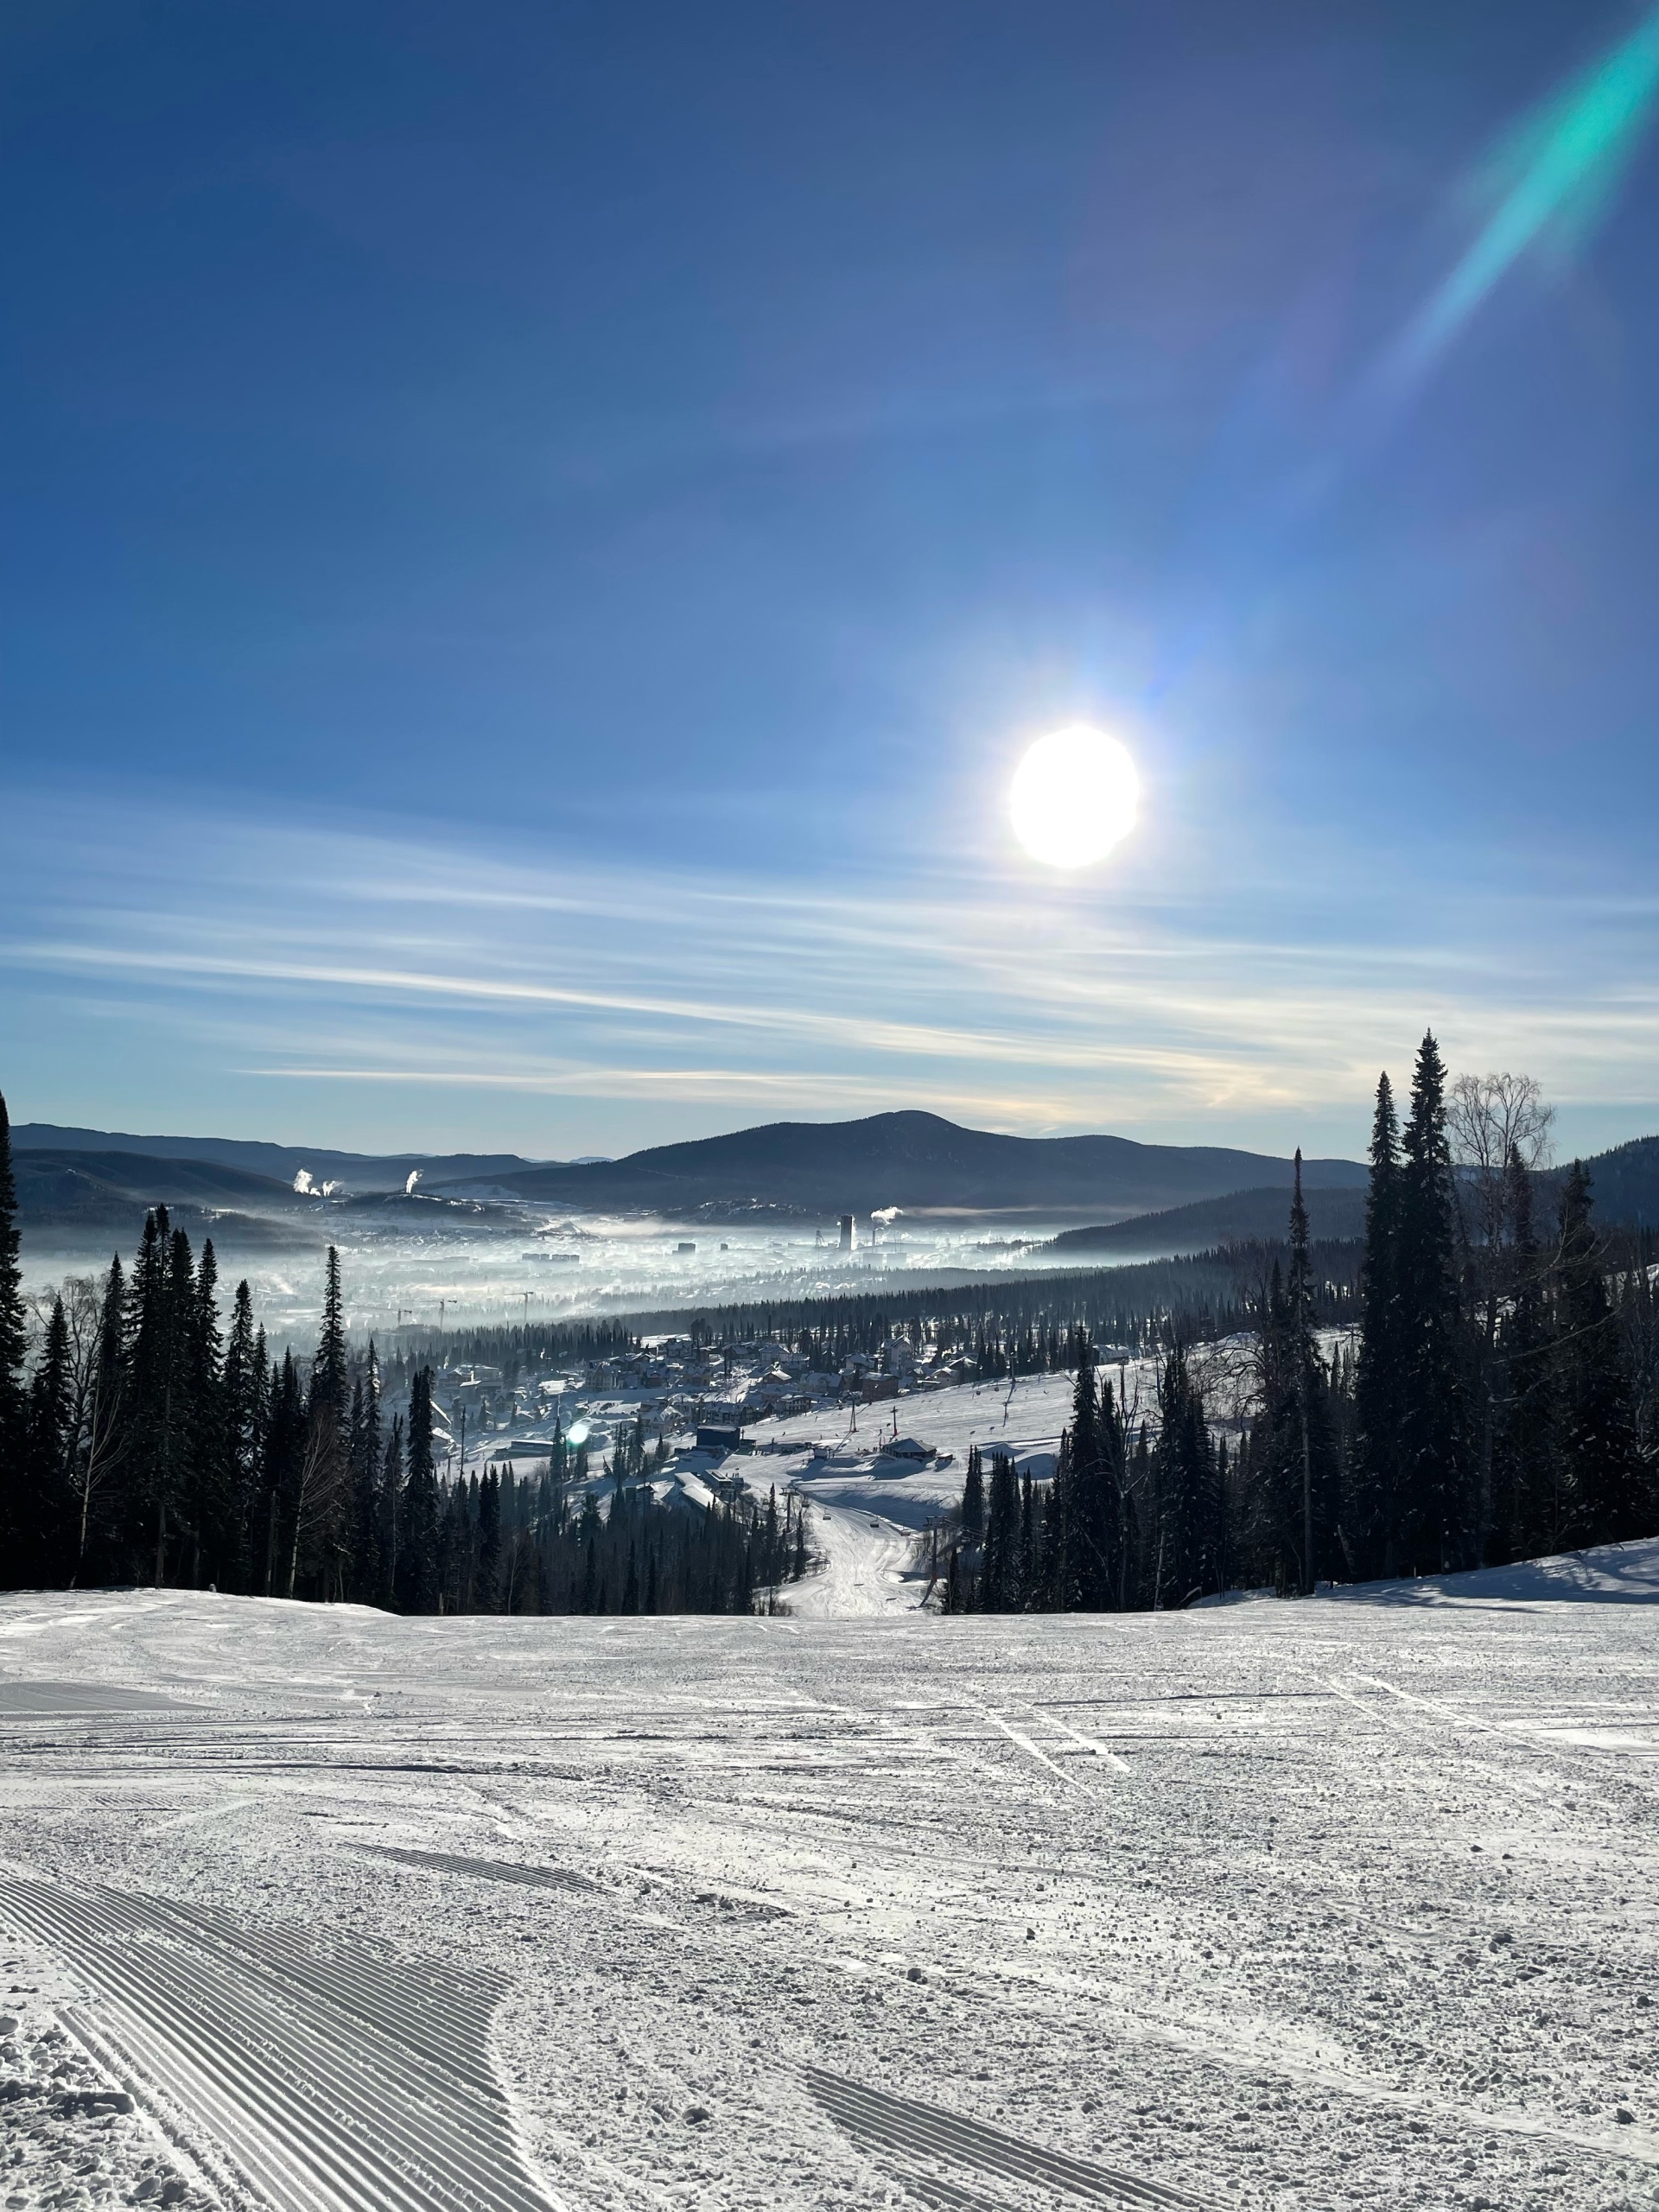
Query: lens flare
{"x": 1074, "y": 796}
{"x": 1551, "y": 184}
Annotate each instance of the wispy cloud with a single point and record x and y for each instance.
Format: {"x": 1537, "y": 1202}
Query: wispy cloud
{"x": 285, "y": 957}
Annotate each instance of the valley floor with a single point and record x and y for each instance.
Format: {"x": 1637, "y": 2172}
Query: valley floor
{"x": 1348, "y": 1903}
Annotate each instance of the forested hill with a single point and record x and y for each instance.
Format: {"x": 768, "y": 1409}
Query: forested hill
{"x": 1623, "y": 1186}
{"x": 916, "y": 1161}
{"x": 356, "y": 1171}
{"x": 1242, "y": 1217}
{"x": 1624, "y": 1182}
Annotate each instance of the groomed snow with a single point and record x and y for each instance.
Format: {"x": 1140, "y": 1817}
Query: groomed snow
{"x": 1346, "y": 1902}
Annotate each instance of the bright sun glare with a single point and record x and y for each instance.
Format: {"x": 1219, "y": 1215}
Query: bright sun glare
{"x": 1074, "y": 796}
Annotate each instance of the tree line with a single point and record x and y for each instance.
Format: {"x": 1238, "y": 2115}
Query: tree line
{"x": 1021, "y": 1326}
{"x": 1499, "y": 1400}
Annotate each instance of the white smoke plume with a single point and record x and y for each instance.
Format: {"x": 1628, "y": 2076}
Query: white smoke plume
{"x": 303, "y": 1184}
{"x": 409, "y": 1187}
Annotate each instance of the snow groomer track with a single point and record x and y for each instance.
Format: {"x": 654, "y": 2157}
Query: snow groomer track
{"x": 901, "y": 2128}
{"x": 344, "y": 2077}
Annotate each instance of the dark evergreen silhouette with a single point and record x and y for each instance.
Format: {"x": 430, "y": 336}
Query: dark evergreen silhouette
{"x": 1379, "y": 1377}
{"x": 973, "y": 1497}
{"x": 417, "y": 1584}
{"x": 1433, "y": 1525}
{"x": 1185, "y": 1492}
{"x": 1606, "y": 1488}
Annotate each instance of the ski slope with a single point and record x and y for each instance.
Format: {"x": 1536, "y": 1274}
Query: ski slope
{"x": 1348, "y": 1903}
{"x": 870, "y": 1509}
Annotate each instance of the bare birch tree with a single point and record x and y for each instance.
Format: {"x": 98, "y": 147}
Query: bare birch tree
{"x": 1492, "y": 1121}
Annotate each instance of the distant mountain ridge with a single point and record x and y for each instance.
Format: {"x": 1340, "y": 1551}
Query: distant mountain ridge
{"x": 1142, "y": 1197}
{"x": 361, "y": 1171}
{"x": 1624, "y": 1184}
{"x": 1240, "y": 1218}
{"x": 916, "y": 1161}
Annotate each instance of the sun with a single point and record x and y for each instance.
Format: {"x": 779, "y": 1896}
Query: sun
{"x": 1074, "y": 796}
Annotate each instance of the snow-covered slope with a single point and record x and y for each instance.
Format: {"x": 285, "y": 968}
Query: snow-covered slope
{"x": 1342, "y": 1904}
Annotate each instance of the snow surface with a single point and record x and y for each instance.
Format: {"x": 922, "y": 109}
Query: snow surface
{"x": 1343, "y": 1902}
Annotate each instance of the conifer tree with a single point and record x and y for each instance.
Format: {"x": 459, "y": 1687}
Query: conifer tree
{"x": 242, "y": 1435}
{"x": 284, "y": 1456}
{"x": 1434, "y": 1519}
{"x": 328, "y": 1369}
{"x": 1185, "y": 1482}
{"x": 999, "y": 1591}
{"x": 1602, "y": 1475}
{"x": 46, "y": 1455}
{"x": 1379, "y": 1375}
{"x": 211, "y": 1532}
{"x": 1222, "y": 1543}
{"x": 367, "y": 1448}
{"x": 392, "y": 1514}
{"x": 1084, "y": 1558}
{"x": 98, "y": 1458}
{"x": 418, "y": 1583}
{"x": 148, "y": 1365}
{"x": 972, "y": 1498}
{"x": 486, "y": 1595}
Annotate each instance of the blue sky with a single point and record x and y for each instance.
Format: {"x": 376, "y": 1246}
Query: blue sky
{"x": 534, "y": 538}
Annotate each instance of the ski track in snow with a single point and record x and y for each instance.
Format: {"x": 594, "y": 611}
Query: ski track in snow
{"x": 1347, "y": 1902}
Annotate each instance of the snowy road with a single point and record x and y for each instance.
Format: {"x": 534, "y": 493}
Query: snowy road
{"x": 1350, "y": 1903}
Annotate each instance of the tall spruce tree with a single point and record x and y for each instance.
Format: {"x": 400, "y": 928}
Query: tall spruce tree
{"x": 1379, "y": 1372}
{"x": 1084, "y": 1564}
{"x": 46, "y": 1455}
{"x": 98, "y": 1460}
{"x": 328, "y": 1369}
{"x": 242, "y": 1424}
{"x": 998, "y": 1575}
{"x": 1184, "y": 1489}
{"x": 284, "y": 1457}
{"x": 153, "y": 1401}
{"x": 418, "y": 1565}
{"x": 367, "y": 1451}
{"x": 972, "y": 1498}
{"x": 391, "y": 1515}
{"x": 212, "y": 1535}
{"x": 1434, "y": 1530}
